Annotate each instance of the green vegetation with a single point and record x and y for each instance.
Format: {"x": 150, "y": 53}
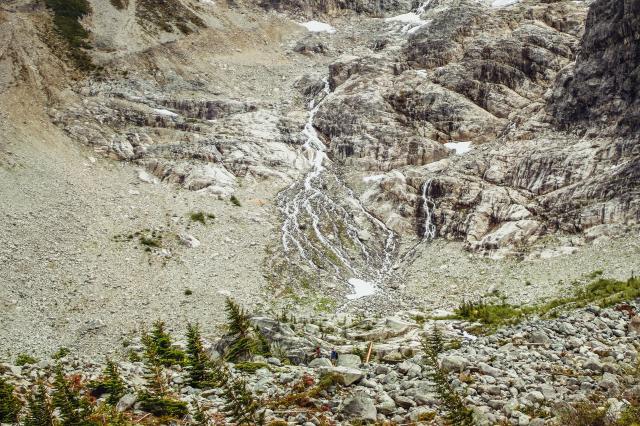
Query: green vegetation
{"x": 159, "y": 347}
{"x": 201, "y": 217}
{"x": 166, "y": 15}
{"x": 594, "y": 413}
{"x": 153, "y": 241}
{"x": 188, "y": 292}
{"x": 111, "y": 383}
{"x": 66, "y": 21}
{"x": 74, "y": 408}
{"x": 602, "y": 292}
{"x": 120, "y": 4}
{"x": 39, "y": 410}
{"x": 250, "y": 367}
{"x": 304, "y": 390}
{"x": 162, "y": 406}
{"x": 9, "y": 403}
{"x": 24, "y": 359}
{"x": 235, "y": 201}
{"x": 456, "y": 412}
{"x": 61, "y": 353}
{"x": 245, "y": 339}
{"x": 240, "y": 403}
{"x": 197, "y": 359}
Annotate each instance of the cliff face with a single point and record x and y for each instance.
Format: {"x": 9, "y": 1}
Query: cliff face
{"x": 603, "y": 89}
{"x": 315, "y": 7}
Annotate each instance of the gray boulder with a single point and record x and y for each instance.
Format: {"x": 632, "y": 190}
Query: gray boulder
{"x": 126, "y": 402}
{"x": 360, "y": 406}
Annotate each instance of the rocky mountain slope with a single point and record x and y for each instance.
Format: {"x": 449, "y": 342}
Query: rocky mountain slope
{"x": 331, "y": 156}
{"x": 356, "y": 173}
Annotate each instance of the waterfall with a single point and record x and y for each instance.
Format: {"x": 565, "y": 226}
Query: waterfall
{"x": 429, "y": 228}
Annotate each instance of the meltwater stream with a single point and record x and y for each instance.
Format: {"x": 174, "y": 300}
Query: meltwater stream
{"x": 326, "y": 224}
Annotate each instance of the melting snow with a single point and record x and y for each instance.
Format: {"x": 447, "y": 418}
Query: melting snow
{"x": 374, "y": 178}
{"x": 318, "y": 27}
{"x": 408, "y": 18}
{"x": 459, "y": 147}
{"x": 503, "y": 3}
{"x": 361, "y": 288}
{"x": 165, "y": 112}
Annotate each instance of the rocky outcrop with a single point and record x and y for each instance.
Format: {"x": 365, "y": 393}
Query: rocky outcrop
{"x": 333, "y": 7}
{"x": 602, "y": 90}
{"x": 468, "y": 74}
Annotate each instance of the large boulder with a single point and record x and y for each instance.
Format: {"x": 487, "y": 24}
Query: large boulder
{"x": 345, "y": 375}
{"x": 360, "y": 406}
{"x": 349, "y": 360}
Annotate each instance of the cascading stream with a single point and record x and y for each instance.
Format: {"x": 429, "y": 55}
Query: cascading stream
{"x": 429, "y": 228}
{"x": 326, "y": 224}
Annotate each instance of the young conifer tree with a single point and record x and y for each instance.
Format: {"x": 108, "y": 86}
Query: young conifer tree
{"x": 9, "y": 403}
{"x": 456, "y": 412}
{"x": 240, "y": 404}
{"x": 74, "y": 409}
{"x": 39, "y": 410}
{"x": 113, "y": 382}
{"x": 199, "y": 370}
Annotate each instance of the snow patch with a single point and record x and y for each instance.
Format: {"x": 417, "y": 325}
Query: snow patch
{"x": 459, "y": 147}
{"x": 503, "y": 3}
{"x": 374, "y": 178}
{"x": 361, "y": 288}
{"x": 407, "y": 18}
{"x": 318, "y": 27}
{"x": 165, "y": 112}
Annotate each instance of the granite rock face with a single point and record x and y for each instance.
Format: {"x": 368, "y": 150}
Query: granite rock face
{"x": 603, "y": 89}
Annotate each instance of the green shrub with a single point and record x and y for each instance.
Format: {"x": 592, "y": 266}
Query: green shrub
{"x": 24, "y": 359}
{"x": 61, "y": 353}
{"x": 491, "y": 314}
{"x": 602, "y": 292}
{"x": 235, "y": 201}
{"x": 585, "y": 413}
{"x": 240, "y": 404}
{"x": 162, "y": 406}
{"x": 245, "y": 339}
{"x": 111, "y": 383}
{"x": 201, "y": 217}
{"x": 151, "y": 241}
{"x": 74, "y": 408}
{"x": 250, "y": 367}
